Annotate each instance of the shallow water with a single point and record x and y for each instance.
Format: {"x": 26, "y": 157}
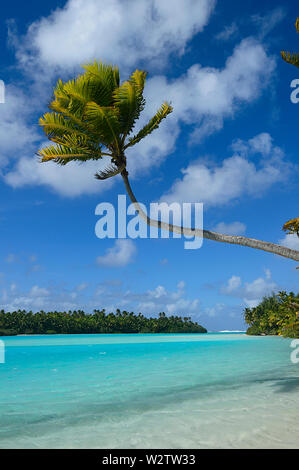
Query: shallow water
{"x": 149, "y": 391}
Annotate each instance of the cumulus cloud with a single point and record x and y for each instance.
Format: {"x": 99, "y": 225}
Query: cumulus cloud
{"x": 16, "y": 134}
{"x": 291, "y": 241}
{"x": 121, "y": 254}
{"x": 250, "y": 292}
{"x": 124, "y": 32}
{"x": 37, "y": 298}
{"x": 236, "y": 176}
{"x": 216, "y": 310}
{"x": 228, "y": 32}
{"x": 267, "y": 22}
{"x": 202, "y": 98}
{"x": 37, "y": 291}
{"x": 150, "y": 302}
{"x": 69, "y": 180}
{"x": 232, "y": 285}
{"x": 110, "y": 294}
{"x": 160, "y": 299}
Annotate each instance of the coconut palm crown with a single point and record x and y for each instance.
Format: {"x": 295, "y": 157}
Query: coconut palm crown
{"x": 93, "y": 116}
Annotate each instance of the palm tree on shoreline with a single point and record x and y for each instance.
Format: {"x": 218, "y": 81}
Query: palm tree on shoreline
{"x": 93, "y": 117}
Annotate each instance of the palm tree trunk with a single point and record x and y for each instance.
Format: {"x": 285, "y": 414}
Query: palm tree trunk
{"x": 218, "y": 237}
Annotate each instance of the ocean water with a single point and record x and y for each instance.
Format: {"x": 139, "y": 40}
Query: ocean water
{"x": 149, "y": 391}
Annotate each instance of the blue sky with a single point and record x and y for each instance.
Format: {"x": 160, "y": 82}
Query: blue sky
{"x": 230, "y": 143}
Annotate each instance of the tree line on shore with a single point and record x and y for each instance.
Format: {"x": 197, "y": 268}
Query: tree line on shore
{"x": 277, "y": 314}
{"x": 78, "y": 322}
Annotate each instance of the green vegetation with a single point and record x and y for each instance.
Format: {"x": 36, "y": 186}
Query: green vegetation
{"x": 22, "y": 322}
{"x": 5, "y": 332}
{"x": 275, "y": 315}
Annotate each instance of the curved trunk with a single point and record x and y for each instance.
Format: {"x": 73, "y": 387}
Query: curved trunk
{"x": 218, "y": 237}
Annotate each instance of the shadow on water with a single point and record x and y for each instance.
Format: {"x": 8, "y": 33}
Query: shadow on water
{"x": 283, "y": 385}
{"x": 113, "y": 411}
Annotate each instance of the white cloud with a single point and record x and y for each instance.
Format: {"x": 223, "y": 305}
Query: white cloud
{"x": 216, "y": 310}
{"x": 266, "y": 23}
{"x": 233, "y": 228}
{"x": 37, "y": 298}
{"x": 121, "y": 254}
{"x": 232, "y": 285}
{"x": 37, "y": 291}
{"x": 13, "y": 286}
{"x": 69, "y": 180}
{"x": 267, "y": 273}
{"x": 291, "y": 241}
{"x": 109, "y": 295}
{"x": 11, "y": 258}
{"x": 236, "y": 176}
{"x": 124, "y": 32}
{"x": 227, "y": 32}
{"x": 160, "y": 299}
{"x": 260, "y": 144}
{"x": 82, "y": 286}
{"x": 150, "y": 302}
{"x": 203, "y": 98}
{"x": 250, "y": 292}
{"x": 16, "y": 135}
{"x": 158, "y": 292}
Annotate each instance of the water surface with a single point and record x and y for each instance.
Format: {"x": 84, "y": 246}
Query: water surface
{"x": 148, "y": 391}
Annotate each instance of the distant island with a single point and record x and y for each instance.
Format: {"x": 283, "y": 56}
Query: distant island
{"x": 99, "y": 322}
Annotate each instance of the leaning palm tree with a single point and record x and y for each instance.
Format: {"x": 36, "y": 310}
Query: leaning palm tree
{"x": 93, "y": 116}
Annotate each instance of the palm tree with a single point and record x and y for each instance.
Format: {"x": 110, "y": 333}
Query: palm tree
{"x": 93, "y": 116}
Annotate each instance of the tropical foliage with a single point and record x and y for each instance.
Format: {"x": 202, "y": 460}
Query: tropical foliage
{"x": 75, "y": 322}
{"x": 275, "y": 315}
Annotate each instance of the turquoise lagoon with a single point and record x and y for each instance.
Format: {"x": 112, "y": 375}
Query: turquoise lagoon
{"x": 149, "y": 391}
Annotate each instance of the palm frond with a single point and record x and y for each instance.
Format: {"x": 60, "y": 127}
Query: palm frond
{"x": 138, "y": 78}
{"x": 104, "y": 122}
{"x": 290, "y": 58}
{"x": 104, "y": 78}
{"x": 153, "y": 124}
{"x": 64, "y": 154}
{"x": 109, "y": 172}
{"x": 129, "y": 100}
{"x": 76, "y": 119}
{"x": 55, "y": 125}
